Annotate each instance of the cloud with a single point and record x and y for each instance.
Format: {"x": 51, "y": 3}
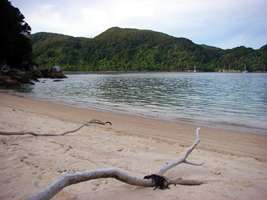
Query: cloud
{"x": 225, "y": 23}
{"x": 47, "y": 18}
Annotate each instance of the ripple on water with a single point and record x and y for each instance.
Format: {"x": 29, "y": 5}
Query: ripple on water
{"x": 238, "y": 100}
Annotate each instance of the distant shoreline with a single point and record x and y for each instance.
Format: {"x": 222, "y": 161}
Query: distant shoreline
{"x": 137, "y": 72}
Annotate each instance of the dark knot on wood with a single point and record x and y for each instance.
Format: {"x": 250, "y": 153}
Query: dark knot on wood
{"x": 159, "y": 181}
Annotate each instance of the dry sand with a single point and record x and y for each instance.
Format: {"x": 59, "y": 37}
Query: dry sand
{"x": 235, "y": 162}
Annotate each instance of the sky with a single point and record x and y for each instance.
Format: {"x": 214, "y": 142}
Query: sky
{"x": 220, "y": 23}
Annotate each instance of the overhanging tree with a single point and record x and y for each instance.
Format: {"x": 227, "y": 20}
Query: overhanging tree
{"x": 16, "y": 48}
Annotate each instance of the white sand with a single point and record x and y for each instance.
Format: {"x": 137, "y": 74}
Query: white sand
{"x": 235, "y": 163}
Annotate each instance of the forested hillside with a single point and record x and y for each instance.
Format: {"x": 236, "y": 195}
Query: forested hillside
{"x": 119, "y": 49}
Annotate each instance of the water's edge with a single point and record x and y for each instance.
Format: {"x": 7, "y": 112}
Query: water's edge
{"x": 230, "y": 127}
{"x": 228, "y": 101}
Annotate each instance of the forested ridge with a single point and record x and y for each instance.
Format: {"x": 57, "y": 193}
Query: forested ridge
{"x": 123, "y": 49}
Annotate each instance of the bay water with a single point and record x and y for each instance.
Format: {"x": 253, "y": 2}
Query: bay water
{"x": 228, "y": 100}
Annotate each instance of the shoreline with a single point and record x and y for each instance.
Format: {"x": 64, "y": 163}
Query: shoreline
{"x": 122, "y": 121}
{"x": 191, "y": 122}
{"x": 137, "y": 72}
{"x": 235, "y": 163}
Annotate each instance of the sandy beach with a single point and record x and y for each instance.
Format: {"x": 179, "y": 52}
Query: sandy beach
{"x": 235, "y": 162}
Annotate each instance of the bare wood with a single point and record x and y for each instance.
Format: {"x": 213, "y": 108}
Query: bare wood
{"x": 193, "y": 163}
{"x": 94, "y": 121}
{"x": 69, "y": 179}
{"x": 45, "y": 134}
{"x": 187, "y": 182}
{"x": 183, "y": 157}
{"x": 74, "y": 178}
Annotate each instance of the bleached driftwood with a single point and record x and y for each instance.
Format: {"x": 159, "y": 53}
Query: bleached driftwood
{"x": 74, "y": 178}
{"x": 121, "y": 175}
{"x": 183, "y": 157}
{"x": 93, "y": 121}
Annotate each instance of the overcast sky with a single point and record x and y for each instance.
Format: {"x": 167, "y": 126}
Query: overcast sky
{"x": 221, "y": 23}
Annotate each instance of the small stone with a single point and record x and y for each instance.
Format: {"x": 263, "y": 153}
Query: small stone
{"x": 217, "y": 173}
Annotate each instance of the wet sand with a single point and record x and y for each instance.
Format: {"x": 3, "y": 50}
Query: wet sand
{"x": 235, "y": 162}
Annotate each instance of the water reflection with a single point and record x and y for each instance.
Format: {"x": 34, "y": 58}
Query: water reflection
{"x": 26, "y": 88}
{"x": 239, "y": 99}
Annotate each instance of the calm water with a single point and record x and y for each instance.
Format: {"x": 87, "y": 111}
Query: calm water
{"x": 217, "y": 99}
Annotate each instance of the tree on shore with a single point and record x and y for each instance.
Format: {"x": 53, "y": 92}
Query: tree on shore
{"x": 16, "y": 48}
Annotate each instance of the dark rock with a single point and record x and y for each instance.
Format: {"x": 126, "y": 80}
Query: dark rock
{"x": 16, "y": 77}
{"x": 21, "y": 76}
{"x": 9, "y": 81}
{"x": 49, "y": 73}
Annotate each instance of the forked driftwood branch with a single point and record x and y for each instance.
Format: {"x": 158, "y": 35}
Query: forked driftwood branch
{"x": 93, "y": 121}
{"x": 183, "y": 157}
{"x": 119, "y": 174}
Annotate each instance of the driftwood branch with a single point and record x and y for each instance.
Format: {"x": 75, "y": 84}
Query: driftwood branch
{"x": 78, "y": 177}
{"x": 94, "y": 121}
{"x": 193, "y": 163}
{"x": 121, "y": 175}
{"x": 183, "y": 157}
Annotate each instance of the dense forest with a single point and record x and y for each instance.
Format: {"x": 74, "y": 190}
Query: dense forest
{"x": 16, "y": 63}
{"x": 121, "y": 49}
{"x": 16, "y": 47}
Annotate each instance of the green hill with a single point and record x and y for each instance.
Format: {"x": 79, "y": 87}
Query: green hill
{"x": 119, "y": 49}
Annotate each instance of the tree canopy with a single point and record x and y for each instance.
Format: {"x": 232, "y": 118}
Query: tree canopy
{"x": 16, "y": 47}
{"x": 119, "y": 49}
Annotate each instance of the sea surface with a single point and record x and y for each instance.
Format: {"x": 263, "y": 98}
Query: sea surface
{"x": 237, "y": 100}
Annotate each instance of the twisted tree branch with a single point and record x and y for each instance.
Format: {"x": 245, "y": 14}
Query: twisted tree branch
{"x": 118, "y": 174}
{"x": 74, "y": 178}
{"x": 94, "y": 121}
